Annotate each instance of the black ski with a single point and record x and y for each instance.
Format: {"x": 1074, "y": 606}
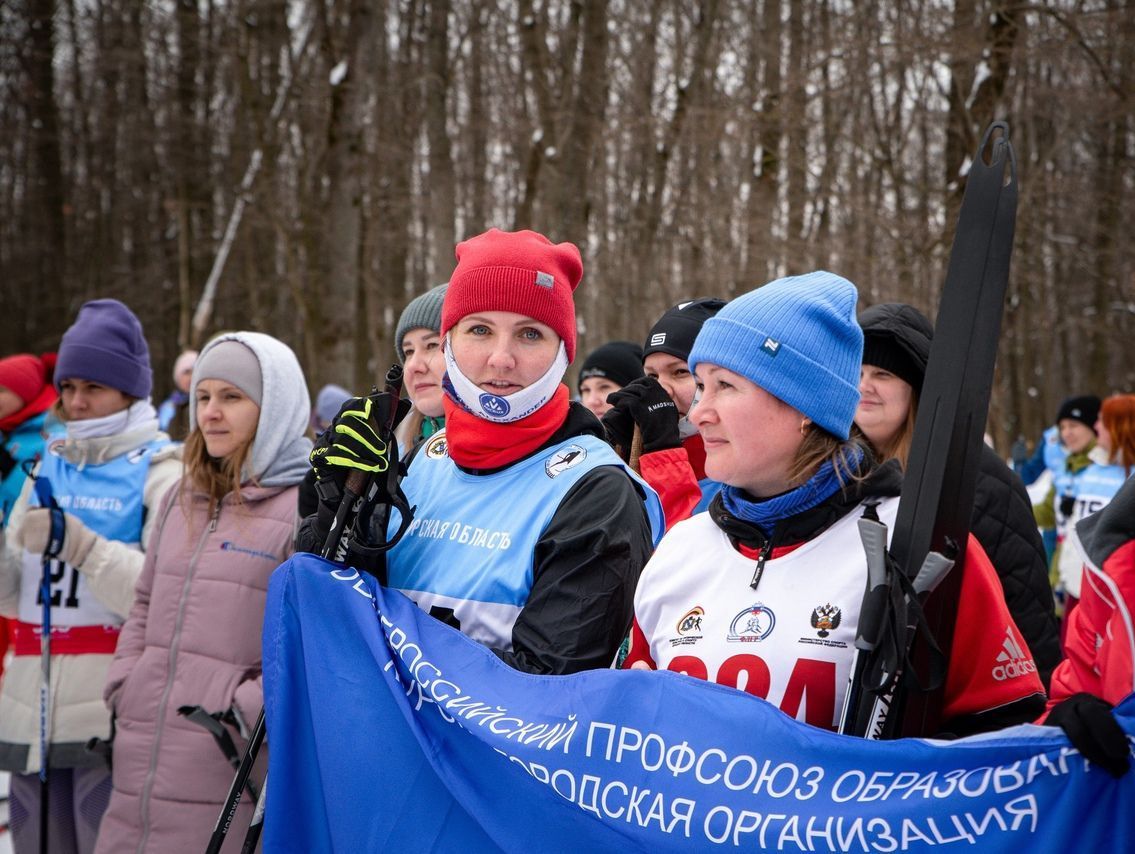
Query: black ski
{"x": 936, "y": 505}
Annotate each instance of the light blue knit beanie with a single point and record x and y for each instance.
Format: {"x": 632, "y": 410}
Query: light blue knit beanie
{"x": 798, "y": 339}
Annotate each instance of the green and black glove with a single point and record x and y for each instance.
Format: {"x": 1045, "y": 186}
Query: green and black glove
{"x": 359, "y": 439}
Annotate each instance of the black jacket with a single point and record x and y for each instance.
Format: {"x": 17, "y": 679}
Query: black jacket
{"x": 884, "y": 481}
{"x": 586, "y": 566}
{"x": 1002, "y": 515}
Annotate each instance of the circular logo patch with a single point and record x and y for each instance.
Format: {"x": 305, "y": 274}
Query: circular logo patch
{"x": 437, "y": 448}
{"x": 564, "y": 459}
{"x": 496, "y": 407}
{"x": 755, "y": 623}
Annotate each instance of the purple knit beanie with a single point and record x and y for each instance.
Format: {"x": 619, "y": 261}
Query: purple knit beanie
{"x": 105, "y": 345}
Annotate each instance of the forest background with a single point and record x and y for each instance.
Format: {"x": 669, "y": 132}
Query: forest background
{"x": 305, "y": 167}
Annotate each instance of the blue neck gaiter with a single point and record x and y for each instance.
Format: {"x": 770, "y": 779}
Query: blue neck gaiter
{"x": 765, "y": 514}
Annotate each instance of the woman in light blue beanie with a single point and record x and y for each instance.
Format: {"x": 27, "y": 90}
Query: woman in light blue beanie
{"x": 762, "y": 592}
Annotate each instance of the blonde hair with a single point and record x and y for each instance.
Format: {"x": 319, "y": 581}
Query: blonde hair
{"x": 214, "y": 477}
{"x": 820, "y": 446}
{"x": 898, "y": 448}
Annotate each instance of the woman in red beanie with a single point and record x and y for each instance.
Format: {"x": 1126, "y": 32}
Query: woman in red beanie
{"x": 26, "y": 395}
{"x": 529, "y": 533}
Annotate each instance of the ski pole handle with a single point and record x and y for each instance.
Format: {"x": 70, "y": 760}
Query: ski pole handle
{"x": 358, "y": 483}
{"x": 872, "y": 612}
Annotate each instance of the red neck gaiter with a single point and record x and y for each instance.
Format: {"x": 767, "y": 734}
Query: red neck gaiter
{"x": 475, "y": 443}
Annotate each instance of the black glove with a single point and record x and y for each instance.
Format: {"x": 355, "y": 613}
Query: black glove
{"x": 650, "y": 407}
{"x": 1088, "y": 722}
{"x": 619, "y": 427}
{"x": 1067, "y": 505}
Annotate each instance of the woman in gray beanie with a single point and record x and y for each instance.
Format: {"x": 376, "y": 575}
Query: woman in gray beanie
{"x": 418, "y": 345}
{"x": 193, "y": 635}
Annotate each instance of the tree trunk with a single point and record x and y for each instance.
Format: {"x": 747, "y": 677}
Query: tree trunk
{"x": 48, "y": 193}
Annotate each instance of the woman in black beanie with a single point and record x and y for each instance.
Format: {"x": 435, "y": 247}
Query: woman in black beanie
{"x": 607, "y": 369}
{"x": 896, "y": 347}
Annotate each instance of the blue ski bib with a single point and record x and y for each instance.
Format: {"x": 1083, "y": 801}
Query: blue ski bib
{"x": 467, "y": 557}
{"x": 108, "y": 499}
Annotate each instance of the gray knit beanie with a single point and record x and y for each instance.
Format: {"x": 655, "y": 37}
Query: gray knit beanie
{"x": 423, "y": 312}
{"x": 232, "y": 362}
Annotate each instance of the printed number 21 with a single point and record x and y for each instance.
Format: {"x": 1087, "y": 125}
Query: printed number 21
{"x": 58, "y": 570}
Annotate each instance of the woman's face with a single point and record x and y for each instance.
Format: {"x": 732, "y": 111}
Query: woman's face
{"x": 1077, "y": 436}
{"x": 593, "y": 393}
{"x": 751, "y": 437}
{"x": 502, "y": 352}
{"x": 884, "y": 403}
{"x": 10, "y": 402}
{"x": 226, "y": 417}
{"x": 423, "y": 370}
{"x": 1103, "y": 436}
{"x": 83, "y": 400}
{"x": 673, "y": 374}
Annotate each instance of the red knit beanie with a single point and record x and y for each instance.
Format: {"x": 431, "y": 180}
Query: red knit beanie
{"x": 24, "y": 374}
{"x": 518, "y": 271}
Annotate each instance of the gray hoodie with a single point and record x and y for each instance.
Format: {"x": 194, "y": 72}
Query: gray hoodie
{"x": 280, "y": 450}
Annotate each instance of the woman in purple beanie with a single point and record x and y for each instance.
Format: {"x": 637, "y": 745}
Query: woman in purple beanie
{"x": 107, "y": 472}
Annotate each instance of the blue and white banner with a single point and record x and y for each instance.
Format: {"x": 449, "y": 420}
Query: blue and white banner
{"x": 390, "y": 731}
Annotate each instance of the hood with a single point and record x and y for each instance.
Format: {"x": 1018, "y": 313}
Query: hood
{"x": 280, "y": 450}
{"x": 1102, "y": 533}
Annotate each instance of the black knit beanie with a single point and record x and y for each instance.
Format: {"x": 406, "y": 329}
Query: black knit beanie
{"x": 675, "y": 331}
{"x": 1085, "y": 409}
{"x": 618, "y": 361}
{"x": 882, "y": 351}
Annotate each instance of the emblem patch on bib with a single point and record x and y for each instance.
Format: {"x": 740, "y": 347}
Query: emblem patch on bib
{"x": 753, "y": 624}
{"x": 564, "y": 459}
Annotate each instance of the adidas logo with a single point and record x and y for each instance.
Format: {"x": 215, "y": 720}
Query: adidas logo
{"x": 1011, "y": 660}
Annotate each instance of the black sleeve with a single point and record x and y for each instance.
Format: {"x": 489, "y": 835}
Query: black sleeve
{"x": 586, "y": 566}
{"x": 308, "y": 500}
{"x": 1003, "y": 523}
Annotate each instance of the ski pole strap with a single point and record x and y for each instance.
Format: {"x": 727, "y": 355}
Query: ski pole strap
{"x": 221, "y": 735}
{"x": 58, "y": 523}
{"x": 892, "y": 659}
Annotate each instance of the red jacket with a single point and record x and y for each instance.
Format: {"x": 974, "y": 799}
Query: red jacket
{"x": 674, "y": 474}
{"x": 1100, "y": 645}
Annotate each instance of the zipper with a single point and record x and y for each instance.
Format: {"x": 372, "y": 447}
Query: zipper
{"x": 175, "y": 644}
{"x": 766, "y": 550}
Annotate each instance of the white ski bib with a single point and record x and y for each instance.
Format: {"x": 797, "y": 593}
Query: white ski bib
{"x": 790, "y": 641}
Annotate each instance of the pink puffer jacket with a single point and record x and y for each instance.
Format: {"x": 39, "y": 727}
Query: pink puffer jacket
{"x": 192, "y": 638}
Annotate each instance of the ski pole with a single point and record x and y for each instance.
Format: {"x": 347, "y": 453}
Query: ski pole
{"x": 50, "y": 553}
